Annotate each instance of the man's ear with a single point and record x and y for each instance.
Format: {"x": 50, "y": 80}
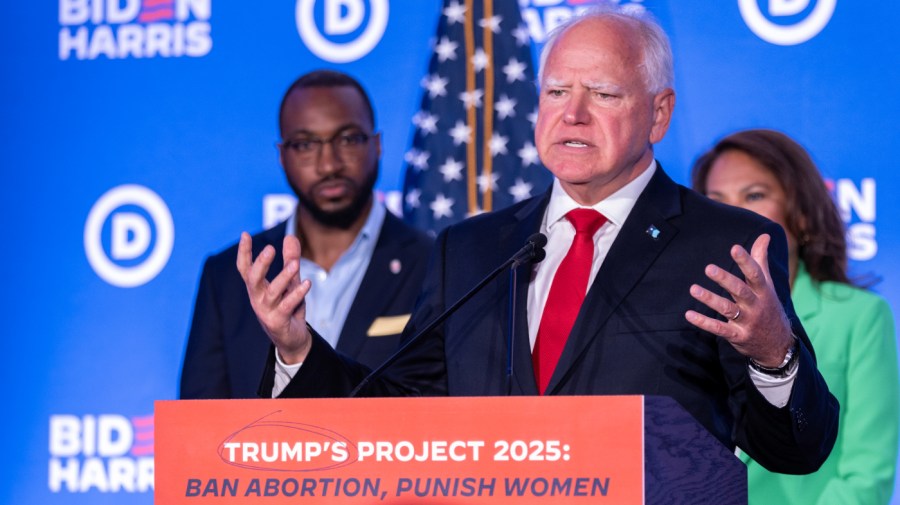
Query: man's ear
{"x": 663, "y": 105}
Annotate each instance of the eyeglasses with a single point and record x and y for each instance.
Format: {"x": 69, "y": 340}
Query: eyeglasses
{"x": 343, "y": 143}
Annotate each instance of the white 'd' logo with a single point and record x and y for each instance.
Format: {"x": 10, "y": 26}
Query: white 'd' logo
{"x": 787, "y": 35}
{"x": 342, "y": 17}
{"x": 130, "y": 236}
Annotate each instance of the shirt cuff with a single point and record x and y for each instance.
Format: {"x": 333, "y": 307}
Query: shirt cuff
{"x": 283, "y": 374}
{"x": 776, "y": 390}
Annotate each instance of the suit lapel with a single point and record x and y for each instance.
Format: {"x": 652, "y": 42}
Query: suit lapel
{"x": 631, "y": 255}
{"x": 391, "y": 245}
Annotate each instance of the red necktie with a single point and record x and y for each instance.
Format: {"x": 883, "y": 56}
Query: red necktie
{"x": 567, "y": 292}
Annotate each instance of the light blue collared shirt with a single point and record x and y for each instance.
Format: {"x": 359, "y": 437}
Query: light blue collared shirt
{"x": 328, "y": 301}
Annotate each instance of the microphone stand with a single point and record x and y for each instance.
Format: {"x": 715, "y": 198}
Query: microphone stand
{"x": 511, "y": 328}
{"x": 534, "y": 248}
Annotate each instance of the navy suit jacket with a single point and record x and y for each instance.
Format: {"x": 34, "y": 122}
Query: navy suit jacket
{"x": 227, "y": 349}
{"x": 630, "y": 337}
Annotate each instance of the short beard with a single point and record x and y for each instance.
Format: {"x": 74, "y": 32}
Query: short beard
{"x": 342, "y": 218}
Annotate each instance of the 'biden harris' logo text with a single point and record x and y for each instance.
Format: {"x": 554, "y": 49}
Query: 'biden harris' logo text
{"x": 119, "y": 29}
{"x": 128, "y": 236}
{"x": 109, "y": 453}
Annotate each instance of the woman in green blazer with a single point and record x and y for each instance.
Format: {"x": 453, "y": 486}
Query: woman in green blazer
{"x": 768, "y": 173}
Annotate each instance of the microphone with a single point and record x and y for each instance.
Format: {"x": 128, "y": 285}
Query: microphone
{"x": 532, "y": 251}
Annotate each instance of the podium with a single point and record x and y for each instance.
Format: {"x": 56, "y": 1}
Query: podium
{"x": 555, "y": 450}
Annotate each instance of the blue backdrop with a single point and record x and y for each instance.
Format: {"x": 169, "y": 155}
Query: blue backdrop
{"x": 139, "y": 136}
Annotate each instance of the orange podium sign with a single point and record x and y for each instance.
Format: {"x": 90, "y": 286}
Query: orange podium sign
{"x": 401, "y": 450}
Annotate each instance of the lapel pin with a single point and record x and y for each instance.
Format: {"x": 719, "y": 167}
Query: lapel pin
{"x": 653, "y": 231}
{"x": 395, "y": 266}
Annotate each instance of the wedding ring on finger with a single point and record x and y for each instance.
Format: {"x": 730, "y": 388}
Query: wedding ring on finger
{"x": 736, "y": 315}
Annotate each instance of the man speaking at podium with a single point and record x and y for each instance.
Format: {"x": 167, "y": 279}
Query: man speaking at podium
{"x": 647, "y": 288}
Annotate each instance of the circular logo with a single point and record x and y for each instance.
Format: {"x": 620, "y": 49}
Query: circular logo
{"x": 341, "y": 17}
{"x": 130, "y": 236}
{"x": 787, "y": 35}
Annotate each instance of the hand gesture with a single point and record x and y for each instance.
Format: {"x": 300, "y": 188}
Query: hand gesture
{"x": 755, "y": 323}
{"x": 279, "y": 305}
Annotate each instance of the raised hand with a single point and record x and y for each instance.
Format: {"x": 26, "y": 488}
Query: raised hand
{"x": 279, "y": 305}
{"x": 755, "y": 324}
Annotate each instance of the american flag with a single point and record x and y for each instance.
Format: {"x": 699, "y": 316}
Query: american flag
{"x": 473, "y": 149}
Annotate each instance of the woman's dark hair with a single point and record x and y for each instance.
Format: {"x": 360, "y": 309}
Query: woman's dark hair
{"x": 810, "y": 212}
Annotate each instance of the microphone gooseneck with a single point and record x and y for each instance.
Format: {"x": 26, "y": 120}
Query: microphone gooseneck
{"x": 532, "y": 251}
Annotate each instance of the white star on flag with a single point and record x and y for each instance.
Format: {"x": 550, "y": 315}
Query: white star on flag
{"x": 514, "y": 70}
{"x": 442, "y": 206}
{"x": 480, "y": 60}
{"x": 452, "y": 170}
{"x": 460, "y": 133}
{"x": 471, "y": 99}
{"x": 426, "y": 121}
{"x": 455, "y": 13}
{"x": 446, "y": 49}
{"x": 418, "y": 159}
{"x": 498, "y": 144}
{"x": 505, "y": 107}
{"x": 492, "y": 22}
{"x": 529, "y": 154}
{"x": 436, "y": 85}
{"x": 521, "y": 190}
{"x": 412, "y": 198}
{"x": 521, "y": 35}
{"x": 484, "y": 182}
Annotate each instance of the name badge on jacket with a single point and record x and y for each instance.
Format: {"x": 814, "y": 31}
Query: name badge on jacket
{"x": 387, "y": 325}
